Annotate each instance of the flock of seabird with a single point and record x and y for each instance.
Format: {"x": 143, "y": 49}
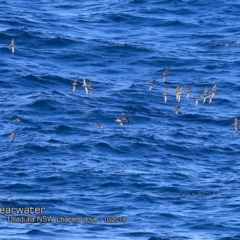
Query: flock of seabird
{"x": 179, "y": 90}
{"x": 123, "y": 119}
{"x": 85, "y": 85}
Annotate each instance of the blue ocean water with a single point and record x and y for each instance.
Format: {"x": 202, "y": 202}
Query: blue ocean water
{"x": 163, "y": 175}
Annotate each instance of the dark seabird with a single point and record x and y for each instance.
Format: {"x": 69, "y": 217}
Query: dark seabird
{"x": 91, "y": 89}
{"x": 189, "y": 90}
{"x": 165, "y": 74}
{"x": 125, "y": 118}
{"x": 101, "y": 127}
{"x": 151, "y": 84}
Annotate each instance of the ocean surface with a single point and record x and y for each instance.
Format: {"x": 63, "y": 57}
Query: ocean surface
{"x": 162, "y": 176}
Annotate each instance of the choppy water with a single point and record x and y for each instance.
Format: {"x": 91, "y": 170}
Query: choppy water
{"x": 172, "y": 176}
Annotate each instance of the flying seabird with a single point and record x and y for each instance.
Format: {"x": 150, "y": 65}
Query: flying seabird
{"x": 188, "y": 91}
{"x": 235, "y": 124}
{"x": 91, "y": 89}
{"x": 165, "y": 74}
{"x": 125, "y": 118}
{"x": 119, "y": 121}
{"x": 151, "y": 84}
{"x": 197, "y": 98}
{"x": 12, "y": 136}
{"x": 214, "y": 89}
{"x": 176, "y": 91}
{"x": 12, "y": 45}
{"x": 215, "y": 86}
{"x": 177, "y": 108}
{"x": 75, "y": 83}
{"x": 210, "y": 97}
{"x": 165, "y": 94}
{"x": 205, "y": 94}
{"x": 85, "y": 85}
{"x": 101, "y": 127}
{"x": 178, "y": 94}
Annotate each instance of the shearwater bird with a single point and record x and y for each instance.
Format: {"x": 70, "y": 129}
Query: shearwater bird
{"x": 165, "y": 94}
{"x": 197, "y": 99}
{"x": 215, "y": 86}
{"x": 12, "y": 46}
{"x": 176, "y": 91}
{"x": 12, "y": 136}
{"x": 189, "y": 90}
{"x": 179, "y": 93}
{"x": 90, "y": 89}
{"x": 119, "y": 121}
{"x": 75, "y": 83}
{"x": 85, "y": 85}
{"x": 125, "y": 118}
{"x": 210, "y": 97}
{"x": 151, "y": 84}
{"x": 205, "y": 94}
{"x": 235, "y": 124}
{"x": 101, "y": 127}
{"x": 214, "y": 89}
{"x": 177, "y": 108}
{"x": 165, "y": 74}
